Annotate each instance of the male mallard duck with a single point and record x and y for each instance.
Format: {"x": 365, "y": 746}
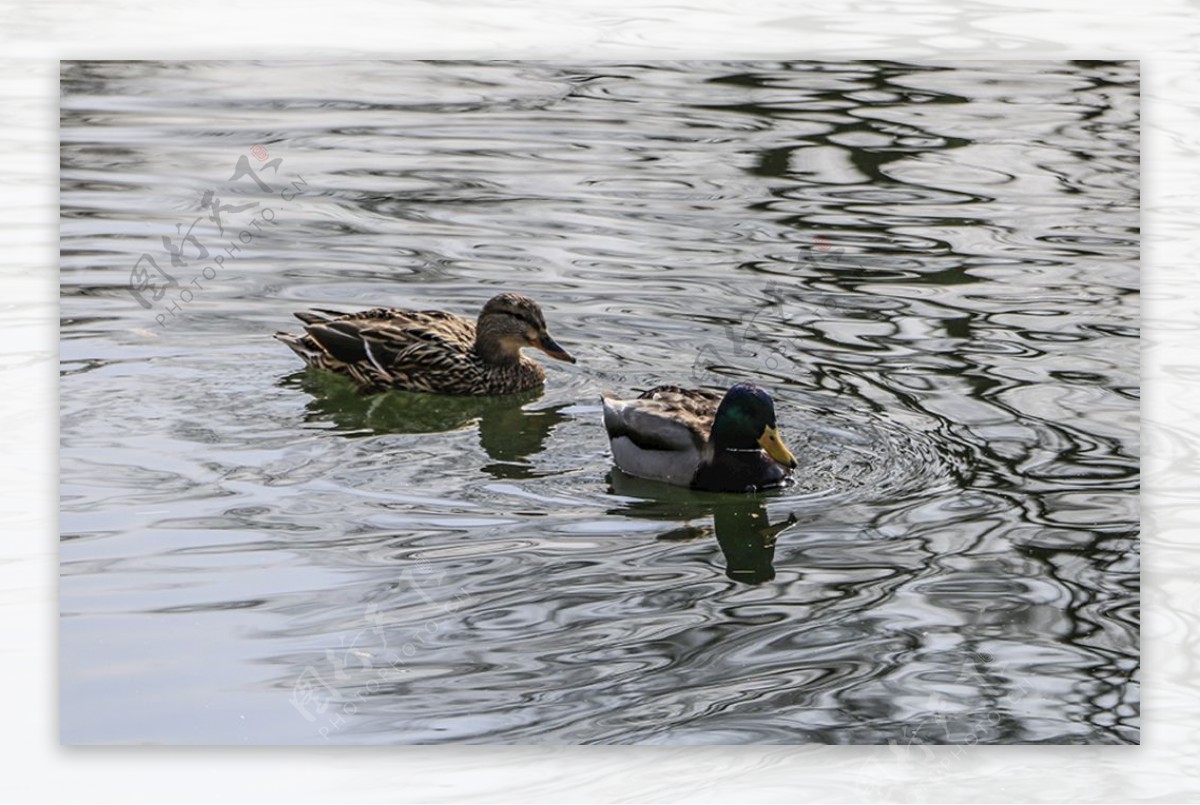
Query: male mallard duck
{"x": 430, "y": 350}
{"x": 695, "y": 438}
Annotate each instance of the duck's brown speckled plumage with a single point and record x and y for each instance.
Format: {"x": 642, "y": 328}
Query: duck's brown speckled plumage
{"x": 430, "y": 350}
{"x": 693, "y": 408}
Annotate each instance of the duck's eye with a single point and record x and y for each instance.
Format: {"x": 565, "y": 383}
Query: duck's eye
{"x": 531, "y": 327}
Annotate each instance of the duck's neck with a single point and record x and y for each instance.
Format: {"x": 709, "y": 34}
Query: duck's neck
{"x": 520, "y": 375}
{"x": 727, "y": 469}
{"x": 493, "y": 347}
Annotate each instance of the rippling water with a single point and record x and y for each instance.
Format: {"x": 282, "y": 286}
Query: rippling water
{"x": 932, "y": 267}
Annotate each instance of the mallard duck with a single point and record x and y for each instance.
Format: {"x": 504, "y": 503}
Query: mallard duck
{"x": 690, "y": 437}
{"x": 431, "y": 350}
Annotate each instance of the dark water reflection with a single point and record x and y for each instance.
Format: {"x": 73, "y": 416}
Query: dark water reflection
{"x": 932, "y": 267}
{"x": 509, "y": 431}
{"x": 740, "y": 523}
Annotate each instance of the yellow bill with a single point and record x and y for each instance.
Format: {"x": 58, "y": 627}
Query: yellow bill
{"x": 775, "y": 447}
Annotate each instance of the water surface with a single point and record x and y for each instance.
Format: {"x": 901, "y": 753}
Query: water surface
{"x": 933, "y": 268}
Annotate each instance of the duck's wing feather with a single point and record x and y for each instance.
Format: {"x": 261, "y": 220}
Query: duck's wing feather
{"x": 693, "y": 409}
{"x": 663, "y": 418}
{"x": 400, "y": 322}
{"x": 384, "y": 344}
{"x": 661, "y": 435}
{"x": 317, "y": 315}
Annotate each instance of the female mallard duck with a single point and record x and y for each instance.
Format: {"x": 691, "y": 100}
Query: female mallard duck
{"x": 429, "y": 350}
{"x": 695, "y": 438}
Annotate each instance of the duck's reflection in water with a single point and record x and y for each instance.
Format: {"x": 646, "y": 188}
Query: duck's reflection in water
{"x": 508, "y": 433}
{"x": 740, "y": 523}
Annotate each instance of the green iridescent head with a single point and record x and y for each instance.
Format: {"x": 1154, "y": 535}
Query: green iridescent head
{"x": 745, "y": 420}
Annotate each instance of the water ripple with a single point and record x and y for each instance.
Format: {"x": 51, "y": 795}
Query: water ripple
{"x": 932, "y": 268}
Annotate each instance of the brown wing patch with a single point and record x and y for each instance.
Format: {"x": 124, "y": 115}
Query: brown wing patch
{"x": 694, "y": 408}
{"x": 447, "y": 325}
